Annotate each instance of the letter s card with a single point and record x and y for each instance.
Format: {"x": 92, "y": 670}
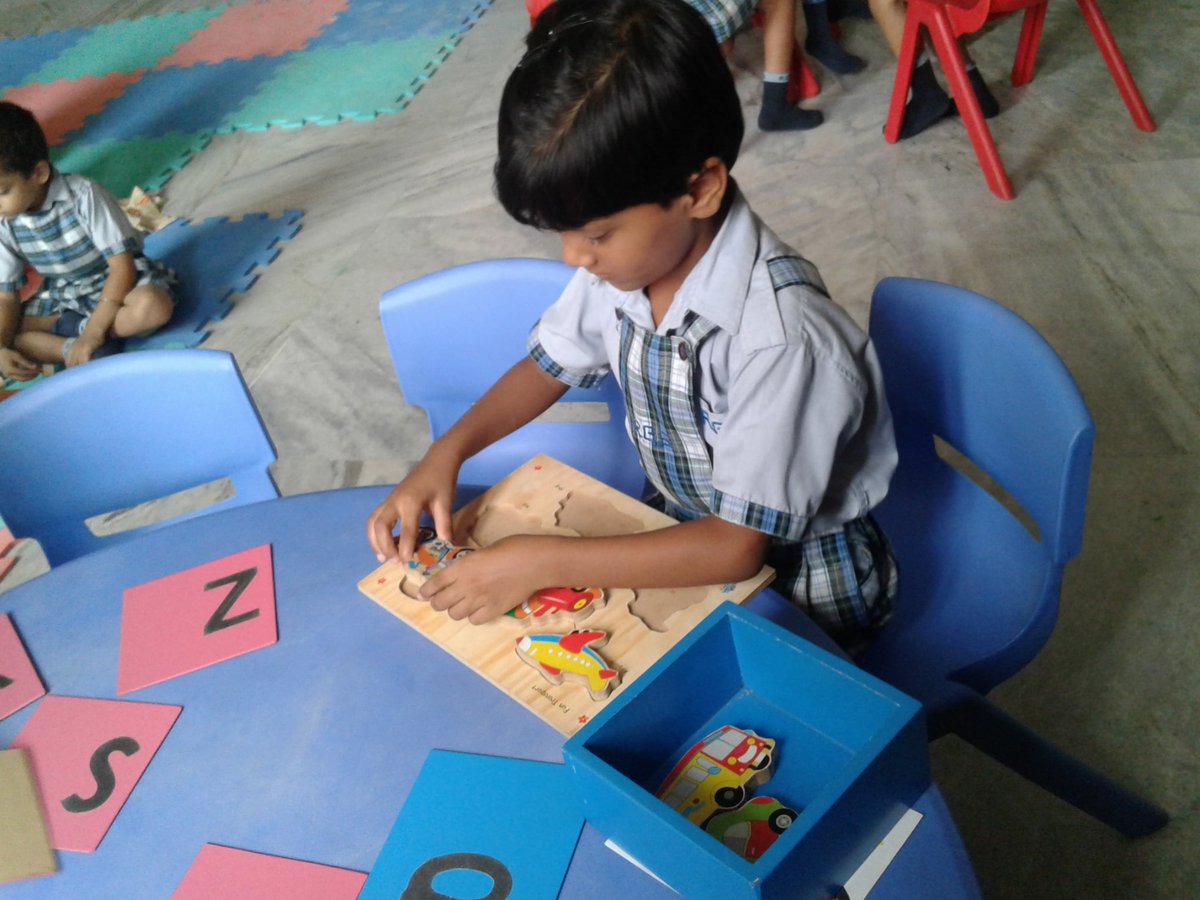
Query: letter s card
{"x": 86, "y": 757}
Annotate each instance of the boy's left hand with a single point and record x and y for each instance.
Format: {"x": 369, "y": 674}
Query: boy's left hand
{"x": 487, "y": 583}
{"x": 83, "y": 348}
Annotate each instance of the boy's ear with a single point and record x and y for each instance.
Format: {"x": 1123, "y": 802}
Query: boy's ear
{"x": 41, "y": 172}
{"x": 708, "y": 186}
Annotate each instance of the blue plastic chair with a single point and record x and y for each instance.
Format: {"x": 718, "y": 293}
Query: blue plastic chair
{"x": 453, "y": 333}
{"x": 121, "y": 431}
{"x": 979, "y": 591}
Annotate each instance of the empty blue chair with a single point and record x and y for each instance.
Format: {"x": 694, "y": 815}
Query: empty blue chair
{"x": 453, "y": 333}
{"x": 121, "y": 431}
{"x": 979, "y": 589}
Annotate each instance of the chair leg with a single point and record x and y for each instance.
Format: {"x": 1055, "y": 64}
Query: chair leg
{"x": 1033, "y": 757}
{"x": 1027, "y": 45}
{"x": 955, "y": 68}
{"x": 1116, "y": 65}
{"x": 803, "y": 83}
{"x": 909, "y": 43}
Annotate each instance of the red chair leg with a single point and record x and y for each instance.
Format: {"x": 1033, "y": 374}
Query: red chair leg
{"x": 955, "y": 68}
{"x": 1027, "y": 46}
{"x": 803, "y": 83}
{"x": 904, "y": 69}
{"x": 1116, "y": 65}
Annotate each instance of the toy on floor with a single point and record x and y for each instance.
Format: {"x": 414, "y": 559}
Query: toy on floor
{"x": 572, "y": 654}
{"x": 717, "y": 773}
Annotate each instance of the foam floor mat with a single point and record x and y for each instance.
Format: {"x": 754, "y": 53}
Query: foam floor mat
{"x": 215, "y": 260}
{"x": 129, "y": 102}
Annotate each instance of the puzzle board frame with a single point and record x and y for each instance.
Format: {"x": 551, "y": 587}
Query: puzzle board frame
{"x": 537, "y": 498}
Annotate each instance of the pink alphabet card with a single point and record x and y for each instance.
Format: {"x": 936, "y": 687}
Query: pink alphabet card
{"x": 87, "y": 755}
{"x": 20, "y": 684}
{"x": 194, "y": 618}
{"x": 227, "y": 872}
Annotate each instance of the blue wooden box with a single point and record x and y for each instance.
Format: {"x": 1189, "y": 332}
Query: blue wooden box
{"x": 851, "y": 756}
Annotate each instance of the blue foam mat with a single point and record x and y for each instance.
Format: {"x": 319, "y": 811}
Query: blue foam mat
{"x": 214, "y": 259}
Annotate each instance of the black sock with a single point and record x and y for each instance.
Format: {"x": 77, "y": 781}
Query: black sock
{"x": 823, "y": 47}
{"x": 848, "y": 9}
{"x": 988, "y": 104}
{"x": 927, "y": 104}
{"x": 987, "y": 100}
{"x": 776, "y": 114}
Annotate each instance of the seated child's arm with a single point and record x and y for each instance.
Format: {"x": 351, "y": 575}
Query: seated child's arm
{"x": 13, "y": 364}
{"x": 521, "y": 395}
{"x": 122, "y": 276}
{"x": 491, "y": 581}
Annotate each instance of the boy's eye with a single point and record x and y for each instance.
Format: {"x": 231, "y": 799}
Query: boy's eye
{"x": 597, "y": 238}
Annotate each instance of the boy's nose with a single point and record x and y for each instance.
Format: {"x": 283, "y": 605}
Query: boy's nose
{"x": 575, "y": 250}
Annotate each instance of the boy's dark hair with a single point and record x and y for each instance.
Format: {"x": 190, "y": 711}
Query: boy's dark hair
{"x": 615, "y": 103}
{"x": 22, "y": 141}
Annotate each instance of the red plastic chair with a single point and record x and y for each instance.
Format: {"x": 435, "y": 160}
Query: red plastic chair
{"x": 946, "y": 20}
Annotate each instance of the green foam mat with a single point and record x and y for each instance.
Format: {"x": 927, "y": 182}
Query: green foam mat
{"x": 145, "y": 162}
{"x": 329, "y": 84}
{"x": 125, "y": 46}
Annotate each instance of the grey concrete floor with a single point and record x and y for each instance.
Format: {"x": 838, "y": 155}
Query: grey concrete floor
{"x": 1099, "y": 251}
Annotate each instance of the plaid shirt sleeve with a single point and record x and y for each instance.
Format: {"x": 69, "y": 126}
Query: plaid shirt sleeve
{"x": 12, "y": 264}
{"x": 567, "y": 342}
{"x": 102, "y": 216}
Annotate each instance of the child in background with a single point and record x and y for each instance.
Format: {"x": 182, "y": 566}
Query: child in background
{"x": 928, "y": 103}
{"x": 756, "y": 403}
{"x": 727, "y": 17}
{"x": 96, "y": 284}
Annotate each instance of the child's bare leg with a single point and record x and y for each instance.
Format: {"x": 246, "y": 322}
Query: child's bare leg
{"x": 927, "y": 102}
{"x": 38, "y": 323}
{"x": 889, "y": 16}
{"x": 40, "y": 346}
{"x": 779, "y": 41}
{"x": 146, "y": 309}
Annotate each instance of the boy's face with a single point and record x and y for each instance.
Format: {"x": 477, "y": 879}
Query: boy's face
{"x": 23, "y": 193}
{"x": 651, "y": 247}
{"x": 637, "y": 247}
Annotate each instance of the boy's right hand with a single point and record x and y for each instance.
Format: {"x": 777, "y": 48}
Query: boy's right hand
{"x": 15, "y": 365}
{"x": 429, "y": 487}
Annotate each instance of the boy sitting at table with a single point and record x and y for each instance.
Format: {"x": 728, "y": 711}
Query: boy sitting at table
{"x": 97, "y": 286}
{"x": 756, "y": 403}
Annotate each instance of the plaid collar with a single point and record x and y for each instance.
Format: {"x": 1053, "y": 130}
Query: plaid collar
{"x": 57, "y": 192}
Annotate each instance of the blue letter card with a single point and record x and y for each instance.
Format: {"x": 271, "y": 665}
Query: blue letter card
{"x": 480, "y": 826}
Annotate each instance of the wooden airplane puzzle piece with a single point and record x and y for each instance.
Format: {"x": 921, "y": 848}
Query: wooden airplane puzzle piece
{"x": 556, "y": 655}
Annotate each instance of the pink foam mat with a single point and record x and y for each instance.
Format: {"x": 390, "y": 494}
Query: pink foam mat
{"x": 268, "y": 27}
{"x": 62, "y": 106}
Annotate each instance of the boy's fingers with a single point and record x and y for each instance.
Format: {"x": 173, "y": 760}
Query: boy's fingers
{"x": 379, "y": 533}
{"x": 441, "y": 521}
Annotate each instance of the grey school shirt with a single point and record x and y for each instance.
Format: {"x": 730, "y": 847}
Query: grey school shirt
{"x": 791, "y": 398}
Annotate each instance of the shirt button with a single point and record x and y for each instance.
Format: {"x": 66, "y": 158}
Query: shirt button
{"x": 683, "y": 352}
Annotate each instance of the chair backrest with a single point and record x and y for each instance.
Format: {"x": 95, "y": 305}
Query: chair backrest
{"x": 453, "y": 333}
{"x": 121, "y": 431}
{"x": 979, "y": 590}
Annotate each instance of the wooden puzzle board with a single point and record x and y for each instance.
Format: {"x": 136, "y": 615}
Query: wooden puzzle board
{"x": 545, "y": 496}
